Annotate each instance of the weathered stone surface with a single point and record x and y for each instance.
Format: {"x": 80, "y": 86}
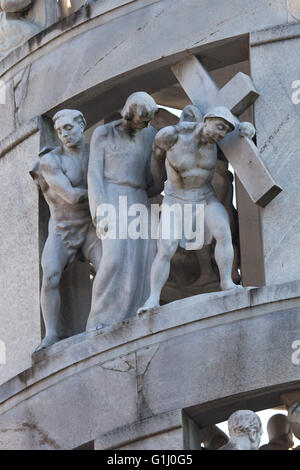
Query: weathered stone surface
{"x": 158, "y": 432}
{"x": 15, "y": 29}
{"x": 170, "y": 440}
{"x": 237, "y": 95}
{"x": 143, "y": 21}
{"x": 209, "y": 347}
{"x": 19, "y": 255}
{"x": 277, "y": 121}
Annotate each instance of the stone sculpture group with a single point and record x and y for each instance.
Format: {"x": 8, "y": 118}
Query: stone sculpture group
{"x": 128, "y": 159}
{"x": 129, "y": 162}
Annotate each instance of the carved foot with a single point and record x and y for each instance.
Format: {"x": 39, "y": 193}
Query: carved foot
{"x": 149, "y": 306}
{"x": 48, "y": 341}
{"x": 228, "y": 285}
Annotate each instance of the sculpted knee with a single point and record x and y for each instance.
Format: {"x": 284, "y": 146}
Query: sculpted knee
{"x": 51, "y": 280}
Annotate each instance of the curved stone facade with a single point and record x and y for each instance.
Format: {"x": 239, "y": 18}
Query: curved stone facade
{"x": 209, "y": 352}
{"x": 199, "y": 354}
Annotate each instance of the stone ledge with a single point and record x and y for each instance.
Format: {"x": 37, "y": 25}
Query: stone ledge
{"x": 139, "y": 430}
{"x": 182, "y": 317}
{"x": 275, "y": 34}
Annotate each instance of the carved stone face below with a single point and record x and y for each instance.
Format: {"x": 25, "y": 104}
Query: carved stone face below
{"x": 245, "y": 430}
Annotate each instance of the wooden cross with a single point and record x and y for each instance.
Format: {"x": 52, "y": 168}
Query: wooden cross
{"x": 237, "y": 95}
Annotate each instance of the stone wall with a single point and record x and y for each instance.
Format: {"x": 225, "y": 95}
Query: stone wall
{"x": 19, "y": 257}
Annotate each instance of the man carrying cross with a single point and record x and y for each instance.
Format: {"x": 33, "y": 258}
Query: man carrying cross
{"x": 189, "y": 153}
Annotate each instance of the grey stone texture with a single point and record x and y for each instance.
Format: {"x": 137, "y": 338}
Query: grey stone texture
{"x": 204, "y": 354}
{"x": 209, "y": 348}
{"x": 19, "y": 254}
{"x": 274, "y": 68}
{"x": 117, "y": 26}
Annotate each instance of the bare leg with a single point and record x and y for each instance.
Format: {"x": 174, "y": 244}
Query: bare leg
{"x": 160, "y": 272}
{"x": 54, "y": 260}
{"x": 217, "y": 220}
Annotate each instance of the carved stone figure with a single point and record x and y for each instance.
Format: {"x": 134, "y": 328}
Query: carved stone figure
{"x": 195, "y": 272}
{"x": 120, "y": 168}
{"x": 14, "y": 29}
{"x": 186, "y": 155}
{"x": 61, "y": 173}
{"x": 280, "y": 433}
{"x": 294, "y": 418}
{"x": 245, "y": 431}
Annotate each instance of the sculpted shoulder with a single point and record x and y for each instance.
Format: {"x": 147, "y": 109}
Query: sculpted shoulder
{"x": 51, "y": 161}
{"x": 101, "y": 132}
{"x": 166, "y": 137}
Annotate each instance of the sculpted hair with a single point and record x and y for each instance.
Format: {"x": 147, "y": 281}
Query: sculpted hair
{"x": 243, "y": 421}
{"x": 139, "y": 103}
{"x": 70, "y": 113}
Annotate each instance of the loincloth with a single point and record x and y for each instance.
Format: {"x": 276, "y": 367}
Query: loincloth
{"x": 192, "y": 204}
{"x": 73, "y": 234}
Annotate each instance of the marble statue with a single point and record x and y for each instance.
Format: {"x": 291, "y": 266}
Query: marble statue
{"x": 61, "y": 173}
{"x": 119, "y": 167}
{"x": 185, "y": 156}
{"x": 245, "y": 431}
{"x": 195, "y": 272}
{"x": 14, "y": 29}
{"x": 280, "y": 433}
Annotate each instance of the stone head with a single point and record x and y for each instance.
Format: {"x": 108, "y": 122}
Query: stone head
{"x": 69, "y": 125}
{"x": 191, "y": 114}
{"x": 217, "y": 124}
{"x": 294, "y": 418}
{"x": 246, "y": 424}
{"x": 279, "y": 426}
{"x": 140, "y": 108}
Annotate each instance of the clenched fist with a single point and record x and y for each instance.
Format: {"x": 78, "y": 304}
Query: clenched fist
{"x": 246, "y": 129}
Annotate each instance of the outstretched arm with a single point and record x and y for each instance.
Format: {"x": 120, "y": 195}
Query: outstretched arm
{"x": 59, "y": 182}
{"x": 96, "y": 189}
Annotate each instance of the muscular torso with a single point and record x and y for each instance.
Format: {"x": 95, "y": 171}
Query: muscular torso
{"x": 75, "y": 169}
{"x": 189, "y": 165}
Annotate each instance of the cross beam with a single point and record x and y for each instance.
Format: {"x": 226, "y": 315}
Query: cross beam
{"x": 237, "y": 95}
